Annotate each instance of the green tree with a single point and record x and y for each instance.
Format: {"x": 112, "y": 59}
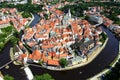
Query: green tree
{"x": 29, "y": 1}
{"x": 1, "y": 45}
{"x": 46, "y": 16}
{"x": 14, "y": 40}
{"x": 103, "y": 37}
{"x": 7, "y": 30}
{"x": 87, "y": 17}
{"x": 43, "y": 77}
{"x": 26, "y": 15}
{"x": 114, "y": 73}
{"x": 33, "y": 8}
{"x": 63, "y": 62}
{"x": 7, "y": 77}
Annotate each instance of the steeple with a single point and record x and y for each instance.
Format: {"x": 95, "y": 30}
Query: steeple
{"x": 69, "y": 13}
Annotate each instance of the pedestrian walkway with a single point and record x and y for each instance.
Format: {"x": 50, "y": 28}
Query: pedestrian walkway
{"x": 6, "y": 64}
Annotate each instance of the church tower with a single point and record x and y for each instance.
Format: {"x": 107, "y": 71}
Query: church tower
{"x": 69, "y": 14}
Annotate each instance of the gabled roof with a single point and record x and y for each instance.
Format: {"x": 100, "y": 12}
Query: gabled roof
{"x": 4, "y": 22}
{"x": 52, "y": 53}
{"x": 52, "y": 24}
{"x": 59, "y": 12}
{"x": 52, "y": 16}
{"x": 63, "y": 55}
{"x": 74, "y": 27}
{"x": 31, "y": 43}
{"x": 53, "y": 62}
{"x": 36, "y": 55}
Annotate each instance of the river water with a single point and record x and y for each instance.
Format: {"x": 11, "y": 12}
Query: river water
{"x": 13, "y": 70}
{"x": 101, "y": 62}
{"x": 36, "y": 20}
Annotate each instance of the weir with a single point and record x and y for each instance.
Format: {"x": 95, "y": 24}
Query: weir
{"x": 28, "y": 73}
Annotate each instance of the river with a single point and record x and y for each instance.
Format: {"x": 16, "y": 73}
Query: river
{"x": 13, "y": 70}
{"x": 36, "y": 20}
{"x": 101, "y": 62}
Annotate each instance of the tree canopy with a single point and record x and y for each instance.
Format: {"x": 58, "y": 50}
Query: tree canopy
{"x": 33, "y": 8}
{"x": 8, "y": 77}
{"x": 63, "y": 62}
{"x": 110, "y": 9}
{"x": 43, "y": 77}
{"x": 114, "y": 73}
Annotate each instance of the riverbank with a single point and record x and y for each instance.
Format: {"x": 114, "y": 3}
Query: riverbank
{"x": 6, "y": 40}
{"x": 90, "y": 58}
{"x": 1, "y": 76}
{"x": 31, "y": 20}
{"x": 97, "y": 76}
{"x": 35, "y": 19}
{"x": 12, "y": 57}
{"x": 92, "y": 55}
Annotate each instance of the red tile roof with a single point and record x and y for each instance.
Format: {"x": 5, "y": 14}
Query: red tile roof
{"x": 30, "y": 56}
{"x": 53, "y": 62}
{"x": 63, "y": 55}
{"x": 22, "y": 56}
{"x": 52, "y": 16}
{"x": 4, "y": 22}
{"x": 36, "y": 55}
{"x": 59, "y": 12}
{"x": 106, "y": 24}
{"x": 52, "y": 54}
{"x": 75, "y": 27}
{"x": 31, "y": 43}
{"x": 52, "y": 24}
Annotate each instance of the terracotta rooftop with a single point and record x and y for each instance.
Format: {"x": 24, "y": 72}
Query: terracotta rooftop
{"x": 59, "y": 12}
{"x": 36, "y": 55}
{"x": 53, "y": 62}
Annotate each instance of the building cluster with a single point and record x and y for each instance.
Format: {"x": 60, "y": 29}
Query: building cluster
{"x": 37, "y": 1}
{"x": 10, "y": 15}
{"x": 4, "y": 19}
{"x": 14, "y": 1}
{"x": 94, "y": 16}
{"x": 101, "y": 0}
{"x": 41, "y": 1}
{"x": 115, "y": 28}
{"x": 48, "y": 3}
{"x": 58, "y": 37}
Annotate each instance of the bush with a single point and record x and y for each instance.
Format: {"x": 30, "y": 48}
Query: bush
{"x": 14, "y": 40}
{"x": 43, "y": 77}
{"x": 63, "y": 62}
{"x": 26, "y": 14}
{"x": 7, "y": 77}
{"x": 7, "y": 30}
{"x": 104, "y": 37}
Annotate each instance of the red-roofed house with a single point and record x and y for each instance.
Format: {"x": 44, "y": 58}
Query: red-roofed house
{"x": 36, "y": 55}
{"x": 53, "y": 62}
